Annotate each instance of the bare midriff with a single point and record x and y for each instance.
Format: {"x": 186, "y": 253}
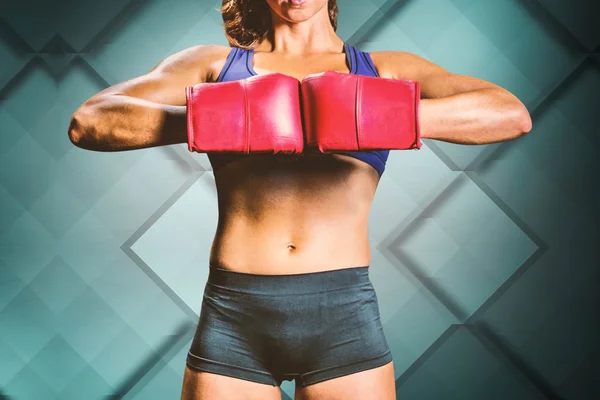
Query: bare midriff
{"x": 293, "y": 214}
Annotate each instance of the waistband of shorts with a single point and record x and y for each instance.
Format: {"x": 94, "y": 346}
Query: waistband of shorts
{"x": 310, "y": 282}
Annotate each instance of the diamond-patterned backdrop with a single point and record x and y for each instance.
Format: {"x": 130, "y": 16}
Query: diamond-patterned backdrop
{"x": 485, "y": 258}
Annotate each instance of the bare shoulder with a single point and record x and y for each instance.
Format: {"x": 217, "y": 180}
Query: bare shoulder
{"x": 200, "y": 61}
{"x": 403, "y": 65}
{"x": 436, "y": 82}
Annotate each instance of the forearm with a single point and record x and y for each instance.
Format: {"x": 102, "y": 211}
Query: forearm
{"x": 474, "y": 117}
{"x": 117, "y": 123}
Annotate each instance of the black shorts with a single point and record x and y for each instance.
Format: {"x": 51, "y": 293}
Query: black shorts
{"x": 269, "y": 328}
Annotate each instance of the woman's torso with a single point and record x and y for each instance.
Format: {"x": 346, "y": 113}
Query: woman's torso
{"x": 288, "y": 214}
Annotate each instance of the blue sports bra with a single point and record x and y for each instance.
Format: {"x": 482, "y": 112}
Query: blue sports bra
{"x": 239, "y": 66}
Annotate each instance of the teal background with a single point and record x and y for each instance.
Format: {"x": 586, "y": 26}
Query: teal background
{"x": 485, "y": 258}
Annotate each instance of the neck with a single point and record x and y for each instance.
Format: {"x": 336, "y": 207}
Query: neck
{"x": 314, "y": 36}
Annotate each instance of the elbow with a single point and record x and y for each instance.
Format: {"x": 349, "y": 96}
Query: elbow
{"x": 521, "y": 120}
{"x": 514, "y": 117}
{"x": 82, "y": 131}
{"x": 525, "y": 121}
{"x": 75, "y": 132}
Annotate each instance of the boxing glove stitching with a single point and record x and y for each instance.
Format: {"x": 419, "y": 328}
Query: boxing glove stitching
{"x": 417, "y": 86}
{"x": 247, "y": 117}
{"x": 190, "y": 123}
{"x": 358, "y": 111}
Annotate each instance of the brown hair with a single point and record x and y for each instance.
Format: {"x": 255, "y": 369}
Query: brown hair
{"x": 248, "y": 22}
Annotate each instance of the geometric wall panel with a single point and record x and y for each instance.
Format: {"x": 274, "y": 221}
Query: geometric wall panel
{"x": 485, "y": 258}
{"x": 177, "y": 245}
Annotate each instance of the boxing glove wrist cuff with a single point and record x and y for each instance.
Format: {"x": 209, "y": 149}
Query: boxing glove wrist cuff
{"x": 191, "y": 132}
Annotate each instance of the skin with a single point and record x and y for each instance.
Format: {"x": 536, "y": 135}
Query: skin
{"x": 296, "y": 214}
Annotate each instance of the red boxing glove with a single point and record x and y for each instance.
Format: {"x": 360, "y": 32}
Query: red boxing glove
{"x": 260, "y": 114}
{"x": 348, "y": 112}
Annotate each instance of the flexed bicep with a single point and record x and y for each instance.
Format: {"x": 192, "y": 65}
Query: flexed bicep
{"x": 456, "y": 108}
{"x": 144, "y": 111}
